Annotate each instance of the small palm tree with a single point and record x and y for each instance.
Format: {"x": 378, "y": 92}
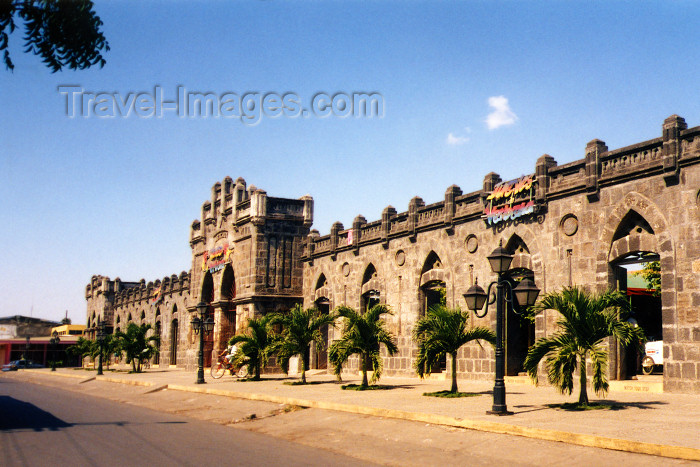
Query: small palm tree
{"x": 82, "y": 348}
{"x": 109, "y": 346}
{"x": 443, "y": 331}
{"x": 300, "y": 328}
{"x": 586, "y": 320}
{"x": 136, "y": 344}
{"x": 254, "y": 345}
{"x": 362, "y": 335}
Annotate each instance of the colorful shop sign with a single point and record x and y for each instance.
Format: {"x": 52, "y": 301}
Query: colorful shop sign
{"x": 215, "y": 259}
{"x": 157, "y": 295}
{"x": 511, "y": 200}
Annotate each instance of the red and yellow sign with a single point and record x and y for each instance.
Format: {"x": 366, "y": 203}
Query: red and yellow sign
{"x": 155, "y": 298}
{"x": 510, "y": 200}
{"x": 216, "y": 258}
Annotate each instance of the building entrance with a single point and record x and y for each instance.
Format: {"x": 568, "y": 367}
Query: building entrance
{"x": 638, "y": 276}
{"x": 321, "y": 359}
{"x": 519, "y": 329}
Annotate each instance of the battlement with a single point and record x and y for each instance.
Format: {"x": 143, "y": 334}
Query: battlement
{"x": 599, "y": 168}
{"x": 237, "y": 204}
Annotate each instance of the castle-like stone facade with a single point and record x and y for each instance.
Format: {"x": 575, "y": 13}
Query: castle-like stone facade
{"x": 572, "y": 224}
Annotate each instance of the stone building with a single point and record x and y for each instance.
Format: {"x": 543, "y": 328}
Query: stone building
{"x": 246, "y": 261}
{"x": 581, "y": 223}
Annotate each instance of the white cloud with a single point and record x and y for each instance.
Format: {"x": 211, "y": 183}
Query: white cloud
{"x": 501, "y": 115}
{"x": 453, "y": 140}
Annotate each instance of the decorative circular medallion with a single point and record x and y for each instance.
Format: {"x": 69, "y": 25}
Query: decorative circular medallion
{"x": 346, "y": 269}
{"x": 400, "y": 257}
{"x": 569, "y": 225}
{"x": 472, "y": 243}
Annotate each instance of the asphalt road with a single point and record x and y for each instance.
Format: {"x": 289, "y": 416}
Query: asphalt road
{"x": 48, "y": 426}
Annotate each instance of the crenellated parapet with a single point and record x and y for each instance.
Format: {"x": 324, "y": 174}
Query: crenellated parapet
{"x": 107, "y": 297}
{"x": 600, "y": 168}
{"x": 153, "y": 292}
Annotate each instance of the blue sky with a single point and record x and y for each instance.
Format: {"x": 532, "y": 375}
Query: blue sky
{"x": 468, "y": 88}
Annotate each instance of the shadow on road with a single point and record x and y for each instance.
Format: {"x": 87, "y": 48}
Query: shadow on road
{"x": 20, "y": 415}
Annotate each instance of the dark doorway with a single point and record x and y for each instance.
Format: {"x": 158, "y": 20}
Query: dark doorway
{"x": 173, "y": 342}
{"x": 156, "y": 356}
{"x": 435, "y": 293}
{"x": 370, "y": 299}
{"x": 324, "y": 306}
{"x": 519, "y": 329}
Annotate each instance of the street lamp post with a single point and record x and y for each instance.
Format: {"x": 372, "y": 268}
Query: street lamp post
{"x": 525, "y": 295}
{"x": 54, "y": 342}
{"x": 26, "y": 350}
{"x": 100, "y": 342}
{"x": 200, "y": 326}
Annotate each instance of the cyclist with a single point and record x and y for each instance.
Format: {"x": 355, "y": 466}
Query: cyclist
{"x": 231, "y": 352}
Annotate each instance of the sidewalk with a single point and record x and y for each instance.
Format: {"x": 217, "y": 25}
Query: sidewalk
{"x": 649, "y": 423}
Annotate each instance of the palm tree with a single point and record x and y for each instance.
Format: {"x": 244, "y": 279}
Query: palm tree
{"x": 254, "y": 345}
{"x": 586, "y": 320}
{"x": 362, "y": 334}
{"x": 136, "y": 344}
{"x": 110, "y": 345}
{"x": 83, "y": 347}
{"x": 443, "y": 331}
{"x": 300, "y": 328}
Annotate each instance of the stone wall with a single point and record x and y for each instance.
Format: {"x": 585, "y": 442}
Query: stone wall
{"x": 588, "y": 216}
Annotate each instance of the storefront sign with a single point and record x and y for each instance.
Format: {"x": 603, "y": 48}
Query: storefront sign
{"x": 157, "y": 296}
{"x": 216, "y": 258}
{"x": 511, "y": 200}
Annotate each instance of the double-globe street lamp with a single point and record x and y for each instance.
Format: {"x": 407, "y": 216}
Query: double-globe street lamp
{"x": 200, "y": 326}
{"x": 100, "y": 343}
{"x": 54, "y": 343}
{"x": 525, "y": 295}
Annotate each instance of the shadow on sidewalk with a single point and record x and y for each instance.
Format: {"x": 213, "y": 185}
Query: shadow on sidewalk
{"x": 606, "y": 405}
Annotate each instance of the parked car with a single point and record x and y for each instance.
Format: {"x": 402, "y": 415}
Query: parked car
{"x": 17, "y": 364}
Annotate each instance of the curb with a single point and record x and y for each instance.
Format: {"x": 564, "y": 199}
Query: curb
{"x": 579, "y": 439}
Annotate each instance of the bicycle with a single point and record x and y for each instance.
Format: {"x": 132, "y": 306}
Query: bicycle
{"x": 223, "y": 364}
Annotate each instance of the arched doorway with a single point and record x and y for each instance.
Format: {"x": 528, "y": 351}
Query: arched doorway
{"x": 156, "y": 332}
{"x": 321, "y": 361}
{"x": 635, "y": 267}
{"x": 636, "y": 275}
{"x": 370, "y": 296}
{"x": 227, "y": 320}
{"x": 519, "y": 326}
{"x": 174, "y": 338}
{"x": 208, "y": 297}
{"x": 322, "y": 302}
{"x": 433, "y": 291}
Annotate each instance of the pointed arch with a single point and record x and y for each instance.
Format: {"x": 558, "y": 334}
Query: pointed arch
{"x": 517, "y": 247}
{"x": 228, "y": 284}
{"x": 370, "y": 280}
{"x": 637, "y": 225}
{"x": 321, "y": 281}
{"x": 322, "y": 289}
{"x": 432, "y": 270}
{"x": 207, "y": 290}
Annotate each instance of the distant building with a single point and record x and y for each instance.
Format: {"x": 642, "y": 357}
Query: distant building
{"x": 27, "y": 337}
{"x": 69, "y": 330}
{"x": 581, "y": 223}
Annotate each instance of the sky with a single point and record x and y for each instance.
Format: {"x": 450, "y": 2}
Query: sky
{"x": 466, "y": 88}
